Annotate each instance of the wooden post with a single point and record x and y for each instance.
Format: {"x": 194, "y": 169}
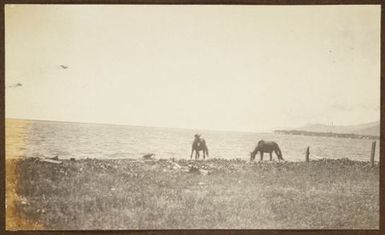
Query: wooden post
{"x": 307, "y": 153}
{"x": 373, "y": 153}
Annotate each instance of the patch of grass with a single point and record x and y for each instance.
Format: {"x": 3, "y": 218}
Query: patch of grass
{"x": 135, "y": 194}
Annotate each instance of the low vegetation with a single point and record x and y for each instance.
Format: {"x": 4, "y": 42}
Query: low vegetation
{"x": 184, "y": 194}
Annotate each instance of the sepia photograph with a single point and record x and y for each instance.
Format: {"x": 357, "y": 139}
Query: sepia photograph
{"x": 158, "y": 117}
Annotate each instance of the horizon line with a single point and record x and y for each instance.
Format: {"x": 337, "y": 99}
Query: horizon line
{"x": 186, "y": 128}
{"x": 138, "y": 125}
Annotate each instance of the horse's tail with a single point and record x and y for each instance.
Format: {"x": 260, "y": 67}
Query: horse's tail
{"x": 205, "y": 149}
{"x": 279, "y": 152}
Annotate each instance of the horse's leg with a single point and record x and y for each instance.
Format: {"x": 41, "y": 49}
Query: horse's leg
{"x": 192, "y": 152}
{"x": 261, "y": 156}
{"x": 204, "y": 154}
{"x": 271, "y": 156}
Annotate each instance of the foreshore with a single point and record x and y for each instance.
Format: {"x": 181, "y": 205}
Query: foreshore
{"x": 188, "y": 194}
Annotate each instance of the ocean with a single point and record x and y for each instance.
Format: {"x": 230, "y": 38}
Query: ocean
{"x": 27, "y": 138}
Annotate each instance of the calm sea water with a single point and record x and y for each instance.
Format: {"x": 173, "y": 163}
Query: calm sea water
{"x": 82, "y": 140}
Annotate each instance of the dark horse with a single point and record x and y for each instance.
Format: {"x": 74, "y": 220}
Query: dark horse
{"x": 267, "y": 147}
{"x": 199, "y": 144}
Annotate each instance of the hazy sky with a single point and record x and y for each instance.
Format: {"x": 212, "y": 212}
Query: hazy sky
{"x": 213, "y": 67}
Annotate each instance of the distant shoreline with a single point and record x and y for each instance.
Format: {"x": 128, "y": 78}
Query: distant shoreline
{"x": 326, "y": 134}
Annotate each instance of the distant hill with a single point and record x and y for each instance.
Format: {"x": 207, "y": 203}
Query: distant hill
{"x": 371, "y": 128}
{"x": 374, "y": 130}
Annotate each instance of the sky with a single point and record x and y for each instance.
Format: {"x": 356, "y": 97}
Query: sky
{"x": 243, "y": 68}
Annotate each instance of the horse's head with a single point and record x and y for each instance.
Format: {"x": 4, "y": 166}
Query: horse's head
{"x": 252, "y": 155}
{"x": 197, "y": 136}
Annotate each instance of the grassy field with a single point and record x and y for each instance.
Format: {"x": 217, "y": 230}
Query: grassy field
{"x": 163, "y": 194}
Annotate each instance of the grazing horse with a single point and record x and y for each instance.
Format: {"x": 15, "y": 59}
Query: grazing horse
{"x": 199, "y": 144}
{"x": 267, "y": 147}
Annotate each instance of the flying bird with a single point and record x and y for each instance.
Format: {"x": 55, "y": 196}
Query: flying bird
{"x": 15, "y": 85}
{"x": 63, "y": 66}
